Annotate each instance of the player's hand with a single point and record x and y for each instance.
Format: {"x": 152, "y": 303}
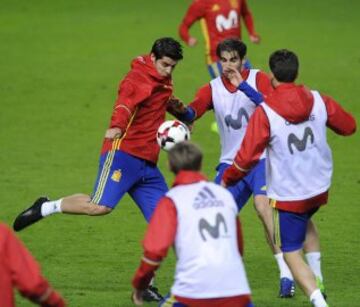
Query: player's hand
{"x": 113, "y": 133}
{"x": 136, "y": 297}
{"x": 223, "y": 184}
{"x": 176, "y": 105}
{"x": 192, "y": 42}
{"x": 234, "y": 77}
{"x": 255, "y": 39}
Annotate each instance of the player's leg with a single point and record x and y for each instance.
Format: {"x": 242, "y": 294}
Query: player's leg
{"x": 149, "y": 189}
{"x": 240, "y": 191}
{"x": 313, "y": 255}
{"x": 117, "y": 173}
{"x": 257, "y": 182}
{"x": 290, "y": 231}
{"x": 146, "y": 193}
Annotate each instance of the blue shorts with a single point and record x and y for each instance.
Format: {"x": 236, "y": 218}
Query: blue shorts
{"x": 119, "y": 173}
{"x": 215, "y": 69}
{"x": 253, "y": 183}
{"x": 290, "y": 229}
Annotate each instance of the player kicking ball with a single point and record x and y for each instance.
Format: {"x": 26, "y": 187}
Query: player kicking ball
{"x": 130, "y": 152}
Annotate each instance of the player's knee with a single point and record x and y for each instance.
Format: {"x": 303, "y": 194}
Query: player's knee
{"x": 95, "y": 209}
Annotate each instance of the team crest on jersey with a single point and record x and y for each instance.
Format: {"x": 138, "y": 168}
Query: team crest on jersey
{"x": 234, "y": 3}
{"x": 116, "y": 175}
{"x": 215, "y": 7}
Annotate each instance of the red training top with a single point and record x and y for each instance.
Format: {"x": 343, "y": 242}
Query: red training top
{"x": 140, "y": 109}
{"x": 220, "y": 19}
{"x": 19, "y": 270}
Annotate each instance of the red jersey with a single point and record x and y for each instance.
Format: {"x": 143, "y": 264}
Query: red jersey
{"x": 203, "y": 98}
{"x": 294, "y": 103}
{"x": 220, "y": 19}
{"x": 19, "y": 270}
{"x": 140, "y": 109}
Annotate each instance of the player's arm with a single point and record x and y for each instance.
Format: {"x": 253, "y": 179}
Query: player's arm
{"x": 255, "y": 141}
{"x": 340, "y": 121}
{"x": 249, "y": 23}
{"x": 159, "y": 237}
{"x": 237, "y": 80}
{"x": 129, "y": 97}
{"x": 240, "y": 239}
{"x": 195, "y": 12}
{"x": 25, "y": 272}
{"x": 197, "y": 108}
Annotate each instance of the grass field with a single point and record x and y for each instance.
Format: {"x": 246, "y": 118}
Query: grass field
{"x": 60, "y": 64}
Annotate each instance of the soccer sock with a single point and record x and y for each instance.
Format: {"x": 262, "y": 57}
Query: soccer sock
{"x": 314, "y": 261}
{"x": 317, "y": 299}
{"x": 284, "y": 269}
{"x": 51, "y": 207}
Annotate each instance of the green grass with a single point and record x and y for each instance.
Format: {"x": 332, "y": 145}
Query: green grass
{"x": 60, "y": 64}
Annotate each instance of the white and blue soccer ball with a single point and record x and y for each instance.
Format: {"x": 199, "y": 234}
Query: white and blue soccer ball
{"x": 172, "y": 132}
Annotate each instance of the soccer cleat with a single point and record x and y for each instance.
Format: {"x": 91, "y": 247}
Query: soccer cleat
{"x": 151, "y": 294}
{"x": 30, "y": 216}
{"x": 321, "y": 286}
{"x": 287, "y": 288}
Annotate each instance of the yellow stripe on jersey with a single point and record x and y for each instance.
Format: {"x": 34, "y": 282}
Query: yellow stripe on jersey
{"x": 108, "y": 162}
{"x": 205, "y": 32}
{"x": 169, "y": 301}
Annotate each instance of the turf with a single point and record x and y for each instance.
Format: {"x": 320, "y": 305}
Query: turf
{"x": 60, "y": 64}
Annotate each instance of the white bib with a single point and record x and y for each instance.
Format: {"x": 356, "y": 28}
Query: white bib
{"x": 232, "y": 112}
{"x": 209, "y": 264}
{"x": 299, "y": 161}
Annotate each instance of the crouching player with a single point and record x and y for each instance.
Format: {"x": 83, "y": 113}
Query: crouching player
{"x": 198, "y": 218}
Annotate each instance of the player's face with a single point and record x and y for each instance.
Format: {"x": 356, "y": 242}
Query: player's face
{"x": 230, "y": 61}
{"x": 164, "y": 66}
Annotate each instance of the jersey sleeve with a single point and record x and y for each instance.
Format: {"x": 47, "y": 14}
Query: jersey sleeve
{"x": 195, "y": 12}
{"x": 248, "y": 18}
{"x": 129, "y": 97}
{"x": 159, "y": 237}
{"x": 263, "y": 83}
{"x": 340, "y": 121}
{"x": 202, "y": 102}
{"x": 25, "y": 273}
{"x": 255, "y": 141}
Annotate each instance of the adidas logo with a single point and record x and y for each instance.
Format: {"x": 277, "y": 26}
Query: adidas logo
{"x": 206, "y": 198}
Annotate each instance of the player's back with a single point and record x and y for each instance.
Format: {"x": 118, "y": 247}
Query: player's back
{"x": 221, "y": 21}
{"x": 206, "y": 243}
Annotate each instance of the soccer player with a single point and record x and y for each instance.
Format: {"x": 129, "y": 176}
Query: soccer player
{"x": 291, "y": 125}
{"x": 19, "y": 270}
{"x": 234, "y": 97}
{"x": 129, "y": 152}
{"x": 199, "y": 219}
{"x": 220, "y": 19}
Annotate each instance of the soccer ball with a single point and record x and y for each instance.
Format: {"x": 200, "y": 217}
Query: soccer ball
{"x": 171, "y": 132}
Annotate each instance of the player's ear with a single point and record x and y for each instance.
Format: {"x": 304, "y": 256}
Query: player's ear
{"x": 152, "y": 57}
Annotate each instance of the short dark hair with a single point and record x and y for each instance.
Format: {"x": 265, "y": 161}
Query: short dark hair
{"x": 284, "y": 64}
{"x": 185, "y": 156}
{"x": 167, "y": 46}
{"x": 231, "y": 44}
